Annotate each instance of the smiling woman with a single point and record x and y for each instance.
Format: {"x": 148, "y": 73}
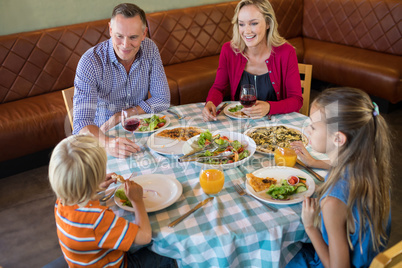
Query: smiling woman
{"x": 260, "y": 56}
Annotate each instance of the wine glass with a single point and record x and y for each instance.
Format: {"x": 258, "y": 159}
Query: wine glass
{"x": 212, "y": 180}
{"x": 248, "y": 95}
{"x": 129, "y": 121}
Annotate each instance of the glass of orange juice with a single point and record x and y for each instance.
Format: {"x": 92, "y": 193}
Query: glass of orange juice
{"x": 212, "y": 180}
{"x": 285, "y": 157}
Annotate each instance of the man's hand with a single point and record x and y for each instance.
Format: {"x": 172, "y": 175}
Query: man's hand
{"x": 120, "y": 147}
{"x": 113, "y": 121}
{"x": 259, "y": 110}
{"x": 209, "y": 111}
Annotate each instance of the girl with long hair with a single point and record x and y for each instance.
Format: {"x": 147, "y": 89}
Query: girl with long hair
{"x": 349, "y": 222}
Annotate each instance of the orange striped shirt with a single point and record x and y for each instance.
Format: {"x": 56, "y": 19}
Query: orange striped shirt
{"x": 93, "y": 236}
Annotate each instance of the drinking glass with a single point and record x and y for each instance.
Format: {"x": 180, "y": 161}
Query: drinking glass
{"x": 128, "y": 120}
{"x": 285, "y": 157}
{"x": 212, "y": 180}
{"x": 248, "y": 95}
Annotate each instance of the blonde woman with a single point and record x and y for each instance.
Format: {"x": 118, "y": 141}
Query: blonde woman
{"x": 349, "y": 222}
{"x": 90, "y": 234}
{"x": 257, "y": 55}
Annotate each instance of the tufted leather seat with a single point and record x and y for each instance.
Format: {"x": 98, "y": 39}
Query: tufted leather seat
{"x": 349, "y": 42}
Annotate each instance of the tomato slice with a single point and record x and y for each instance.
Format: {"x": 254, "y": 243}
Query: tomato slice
{"x": 160, "y": 124}
{"x": 293, "y": 180}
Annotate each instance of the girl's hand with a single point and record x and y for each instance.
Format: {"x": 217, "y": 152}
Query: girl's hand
{"x": 209, "y": 111}
{"x": 308, "y": 211}
{"x": 306, "y": 157}
{"x": 302, "y": 153}
{"x": 108, "y": 180}
{"x": 259, "y": 110}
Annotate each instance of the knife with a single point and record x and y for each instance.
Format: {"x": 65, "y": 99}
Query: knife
{"x": 315, "y": 174}
{"x": 221, "y": 109}
{"x": 175, "y": 222}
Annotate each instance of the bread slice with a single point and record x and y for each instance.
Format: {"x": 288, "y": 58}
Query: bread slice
{"x": 259, "y": 184}
{"x": 118, "y": 178}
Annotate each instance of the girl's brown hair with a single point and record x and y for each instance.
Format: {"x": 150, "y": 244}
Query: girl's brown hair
{"x": 274, "y": 39}
{"x": 364, "y": 158}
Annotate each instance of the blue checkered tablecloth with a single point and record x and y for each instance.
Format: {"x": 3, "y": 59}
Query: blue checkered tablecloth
{"x": 230, "y": 231}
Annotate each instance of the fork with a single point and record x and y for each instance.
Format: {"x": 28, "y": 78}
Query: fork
{"x": 240, "y": 190}
{"x": 176, "y": 114}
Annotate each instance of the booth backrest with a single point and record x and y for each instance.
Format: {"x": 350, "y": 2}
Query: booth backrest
{"x": 191, "y": 33}
{"x": 44, "y": 61}
{"x": 374, "y": 24}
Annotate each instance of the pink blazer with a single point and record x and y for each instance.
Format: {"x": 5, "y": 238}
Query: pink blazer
{"x": 283, "y": 72}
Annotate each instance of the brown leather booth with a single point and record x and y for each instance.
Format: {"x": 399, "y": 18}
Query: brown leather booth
{"x": 351, "y": 43}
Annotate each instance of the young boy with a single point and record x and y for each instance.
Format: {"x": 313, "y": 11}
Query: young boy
{"x": 89, "y": 234}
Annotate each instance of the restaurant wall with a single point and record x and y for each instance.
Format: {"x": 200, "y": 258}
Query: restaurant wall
{"x": 28, "y": 15}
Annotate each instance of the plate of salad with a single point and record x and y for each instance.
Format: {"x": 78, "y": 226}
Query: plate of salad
{"x": 234, "y": 111}
{"x": 230, "y": 150}
{"x": 160, "y": 191}
{"x": 152, "y": 122}
{"x": 292, "y": 185}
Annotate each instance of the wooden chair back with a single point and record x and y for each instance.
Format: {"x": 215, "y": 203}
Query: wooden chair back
{"x": 391, "y": 257}
{"x": 305, "y": 71}
{"x": 68, "y": 95}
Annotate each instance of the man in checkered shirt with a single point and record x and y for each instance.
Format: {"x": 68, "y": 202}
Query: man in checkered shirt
{"x": 119, "y": 74}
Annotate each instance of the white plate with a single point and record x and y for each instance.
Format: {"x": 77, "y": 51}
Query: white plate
{"x": 266, "y": 125}
{"x": 143, "y": 116}
{"x": 168, "y": 187}
{"x": 233, "y": 115}
{"x": 191, "y": 144}
{"x": 280, "y": 173}
{"x": 166, "y": 146}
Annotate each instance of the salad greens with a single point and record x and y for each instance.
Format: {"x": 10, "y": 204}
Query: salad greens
{"x": 123, "y": 198}
{"x": 152, "y": 123}
{"x": 239, "y": 151}
{"x": 284, "y": 190}
{"x": 235, "y": 109}
{"x": 204, "y": 137}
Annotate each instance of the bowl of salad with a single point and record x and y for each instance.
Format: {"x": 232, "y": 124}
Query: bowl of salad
{"x": 226, "y": 149}
{"x": 151, "y": 123}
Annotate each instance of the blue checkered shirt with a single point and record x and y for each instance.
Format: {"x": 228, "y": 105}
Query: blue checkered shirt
{"x": 103, "y": 87}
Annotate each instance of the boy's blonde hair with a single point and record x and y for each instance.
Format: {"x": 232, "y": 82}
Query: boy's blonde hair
{"x": 77, "y": 167}
{"x": 274, "y": 39}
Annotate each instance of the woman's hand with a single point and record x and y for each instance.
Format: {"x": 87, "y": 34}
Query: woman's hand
{"x": 259, "y": 110}
{"x": 209, "y": 111}
{"x": 108, "y": 180}
{"x": 308, "y": 211}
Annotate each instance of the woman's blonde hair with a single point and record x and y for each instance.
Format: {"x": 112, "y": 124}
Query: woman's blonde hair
{"x": 77, "y": 167}
{"x": 364, "y": 158}
{"x": 274, "y": 39}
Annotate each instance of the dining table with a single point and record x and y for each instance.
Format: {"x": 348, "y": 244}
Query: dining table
{"x": 231, "y": 230}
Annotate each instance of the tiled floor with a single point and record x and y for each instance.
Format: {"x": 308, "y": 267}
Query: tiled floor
{"x": 28, "y": 232}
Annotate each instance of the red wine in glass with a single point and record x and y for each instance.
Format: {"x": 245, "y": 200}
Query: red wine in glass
{"x": 128, "y": 120}
{"x": 248, "y": 100}
{"x": 248, "y": 95}
{"x": 131, "y": 124}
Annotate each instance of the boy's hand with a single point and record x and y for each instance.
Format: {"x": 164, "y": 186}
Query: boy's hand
{"x": 108, "y": 180}
{"x": 133, "y": 191}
